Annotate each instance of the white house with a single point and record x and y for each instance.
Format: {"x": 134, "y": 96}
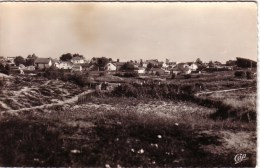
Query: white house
{"x": 193, "y": 66}
{"x": 110, "y": 67}
{"x": 182, "y": 66}
{"x": 140, "y": 70}
{"x": 65, "y": 65}
{"x": 164, "y": 65}
{"x": 10, "y": 60}
{"x": 77, "y": 60}
{"x": 31, "y": 68}
{"x": 21, "y": 66}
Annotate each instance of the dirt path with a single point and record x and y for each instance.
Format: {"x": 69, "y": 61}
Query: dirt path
{"x": 71, "y": 100}
{"x": 220, "y": 91}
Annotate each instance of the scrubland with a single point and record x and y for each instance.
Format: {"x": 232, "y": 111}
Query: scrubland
{"x": 162, "y": 125}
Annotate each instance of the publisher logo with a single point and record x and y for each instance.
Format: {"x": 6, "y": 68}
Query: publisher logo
{"x": 239, "y": 158}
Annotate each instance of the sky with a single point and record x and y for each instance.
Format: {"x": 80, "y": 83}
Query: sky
{"x": 211, "y": 31}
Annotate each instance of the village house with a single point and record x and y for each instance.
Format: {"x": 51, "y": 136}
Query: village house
{"x": 21, "y": 66}
{"x": 154, "y": 62}
{"x": 140, "y": 70}
{"x": 110, "y": 67}
{"x": 2, "y": 59}
{"x": 56, "y": 63}
{"x": 30, "y": 68}
{"x": 156, "y": 71}
{"x": 77, "y": 60}
{"x": 193, "y": 66}
{"x": 65, "y": 65}
{"x": 43, "y": 63}
{"x": 10, "y": 60}
{"x": 118, "y": 65}
{"x": 182, "y": 66}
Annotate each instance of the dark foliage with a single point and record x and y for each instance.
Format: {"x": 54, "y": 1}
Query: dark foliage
{"x": 127, "y": 74}
{"x": 245, "y": 63}
{"x": 27, "y": 143}
{"x": 249, "y": 75}
{"x": 172, "y": 91}
{"x": 19, "y": 60}
{"x": 240, "y": 74}
{"x": 66, "y": 57}
{"x": 128, "y": 66}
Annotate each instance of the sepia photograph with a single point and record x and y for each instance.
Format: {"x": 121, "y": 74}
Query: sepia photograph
{"x": 128, "y": 84}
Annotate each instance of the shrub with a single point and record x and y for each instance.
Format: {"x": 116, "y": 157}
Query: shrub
{"x": 77, "y": 79}
{"x": 1, "y": 83}
{"x": 126, "y": 90}
{"x": 240, "y": 74}
{"x": 249, "y": 75}
{"x": 173, "y": 76}
{"x": 131, "y": 74}
{"x": 102, "y": 73}
{"x": 51, "y": 73}
{"x": 188, "y": 76}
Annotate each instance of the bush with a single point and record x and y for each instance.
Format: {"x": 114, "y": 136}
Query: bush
{"x": 77, "y": 79}
{"x": 240, "y": 74}
{"x": 102, "y": 73}
{"x": 51, "y": 73}
{"x": 173, "y": 76}
{"x": 249, "y": 75}
{"x": 126, "y": 90}
{"x": 188, "y": 76}
{"x": 131, "y": 74}
{"x": 1, "y": 83}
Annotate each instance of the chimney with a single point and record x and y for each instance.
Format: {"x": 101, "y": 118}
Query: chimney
{"x": 117, "y": 60}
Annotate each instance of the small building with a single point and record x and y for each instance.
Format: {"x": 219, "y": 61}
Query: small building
{"x": 10, "y": 60}
{"x": 182, "y": 66}
{"x": 156, "y": 71}
{"x": 65, "y": 65}
{"x": 193, "y": 66}
{"x": 56, "y": 63}
{"x": 140, "y": 70}
{"x": 110, "y": 67}
{"x": 43, "y": 63}
{"x": 77, "y": 60}
{"x": 2, "y": 59}
{"x": 21, "y": 66}
{"x": 30, "y": 68}
{"x": 76, "y": 68}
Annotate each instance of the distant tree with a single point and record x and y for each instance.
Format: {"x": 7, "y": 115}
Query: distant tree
{"x": 102, "y": 62}
{"x": 7, "y": 67}
{"x": 231, "y": 63}
{"x": 245, "y": 63}
{"x": 173, "y": 75}
{"x": 110, "y": 59}
{"x": 211, "y": 64}
{"x": 66, "y": 57}
{"x": 78, "y": 55}
{"x": 2, "y": 67}
{"x": 128, "y": 67}
{"x": 198, "y": 61}
{"x": 141, "y": 63}
{"x": 30, "y": 60}
{"x": 19, "y": 60}
{"x": 150, "y": 66}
